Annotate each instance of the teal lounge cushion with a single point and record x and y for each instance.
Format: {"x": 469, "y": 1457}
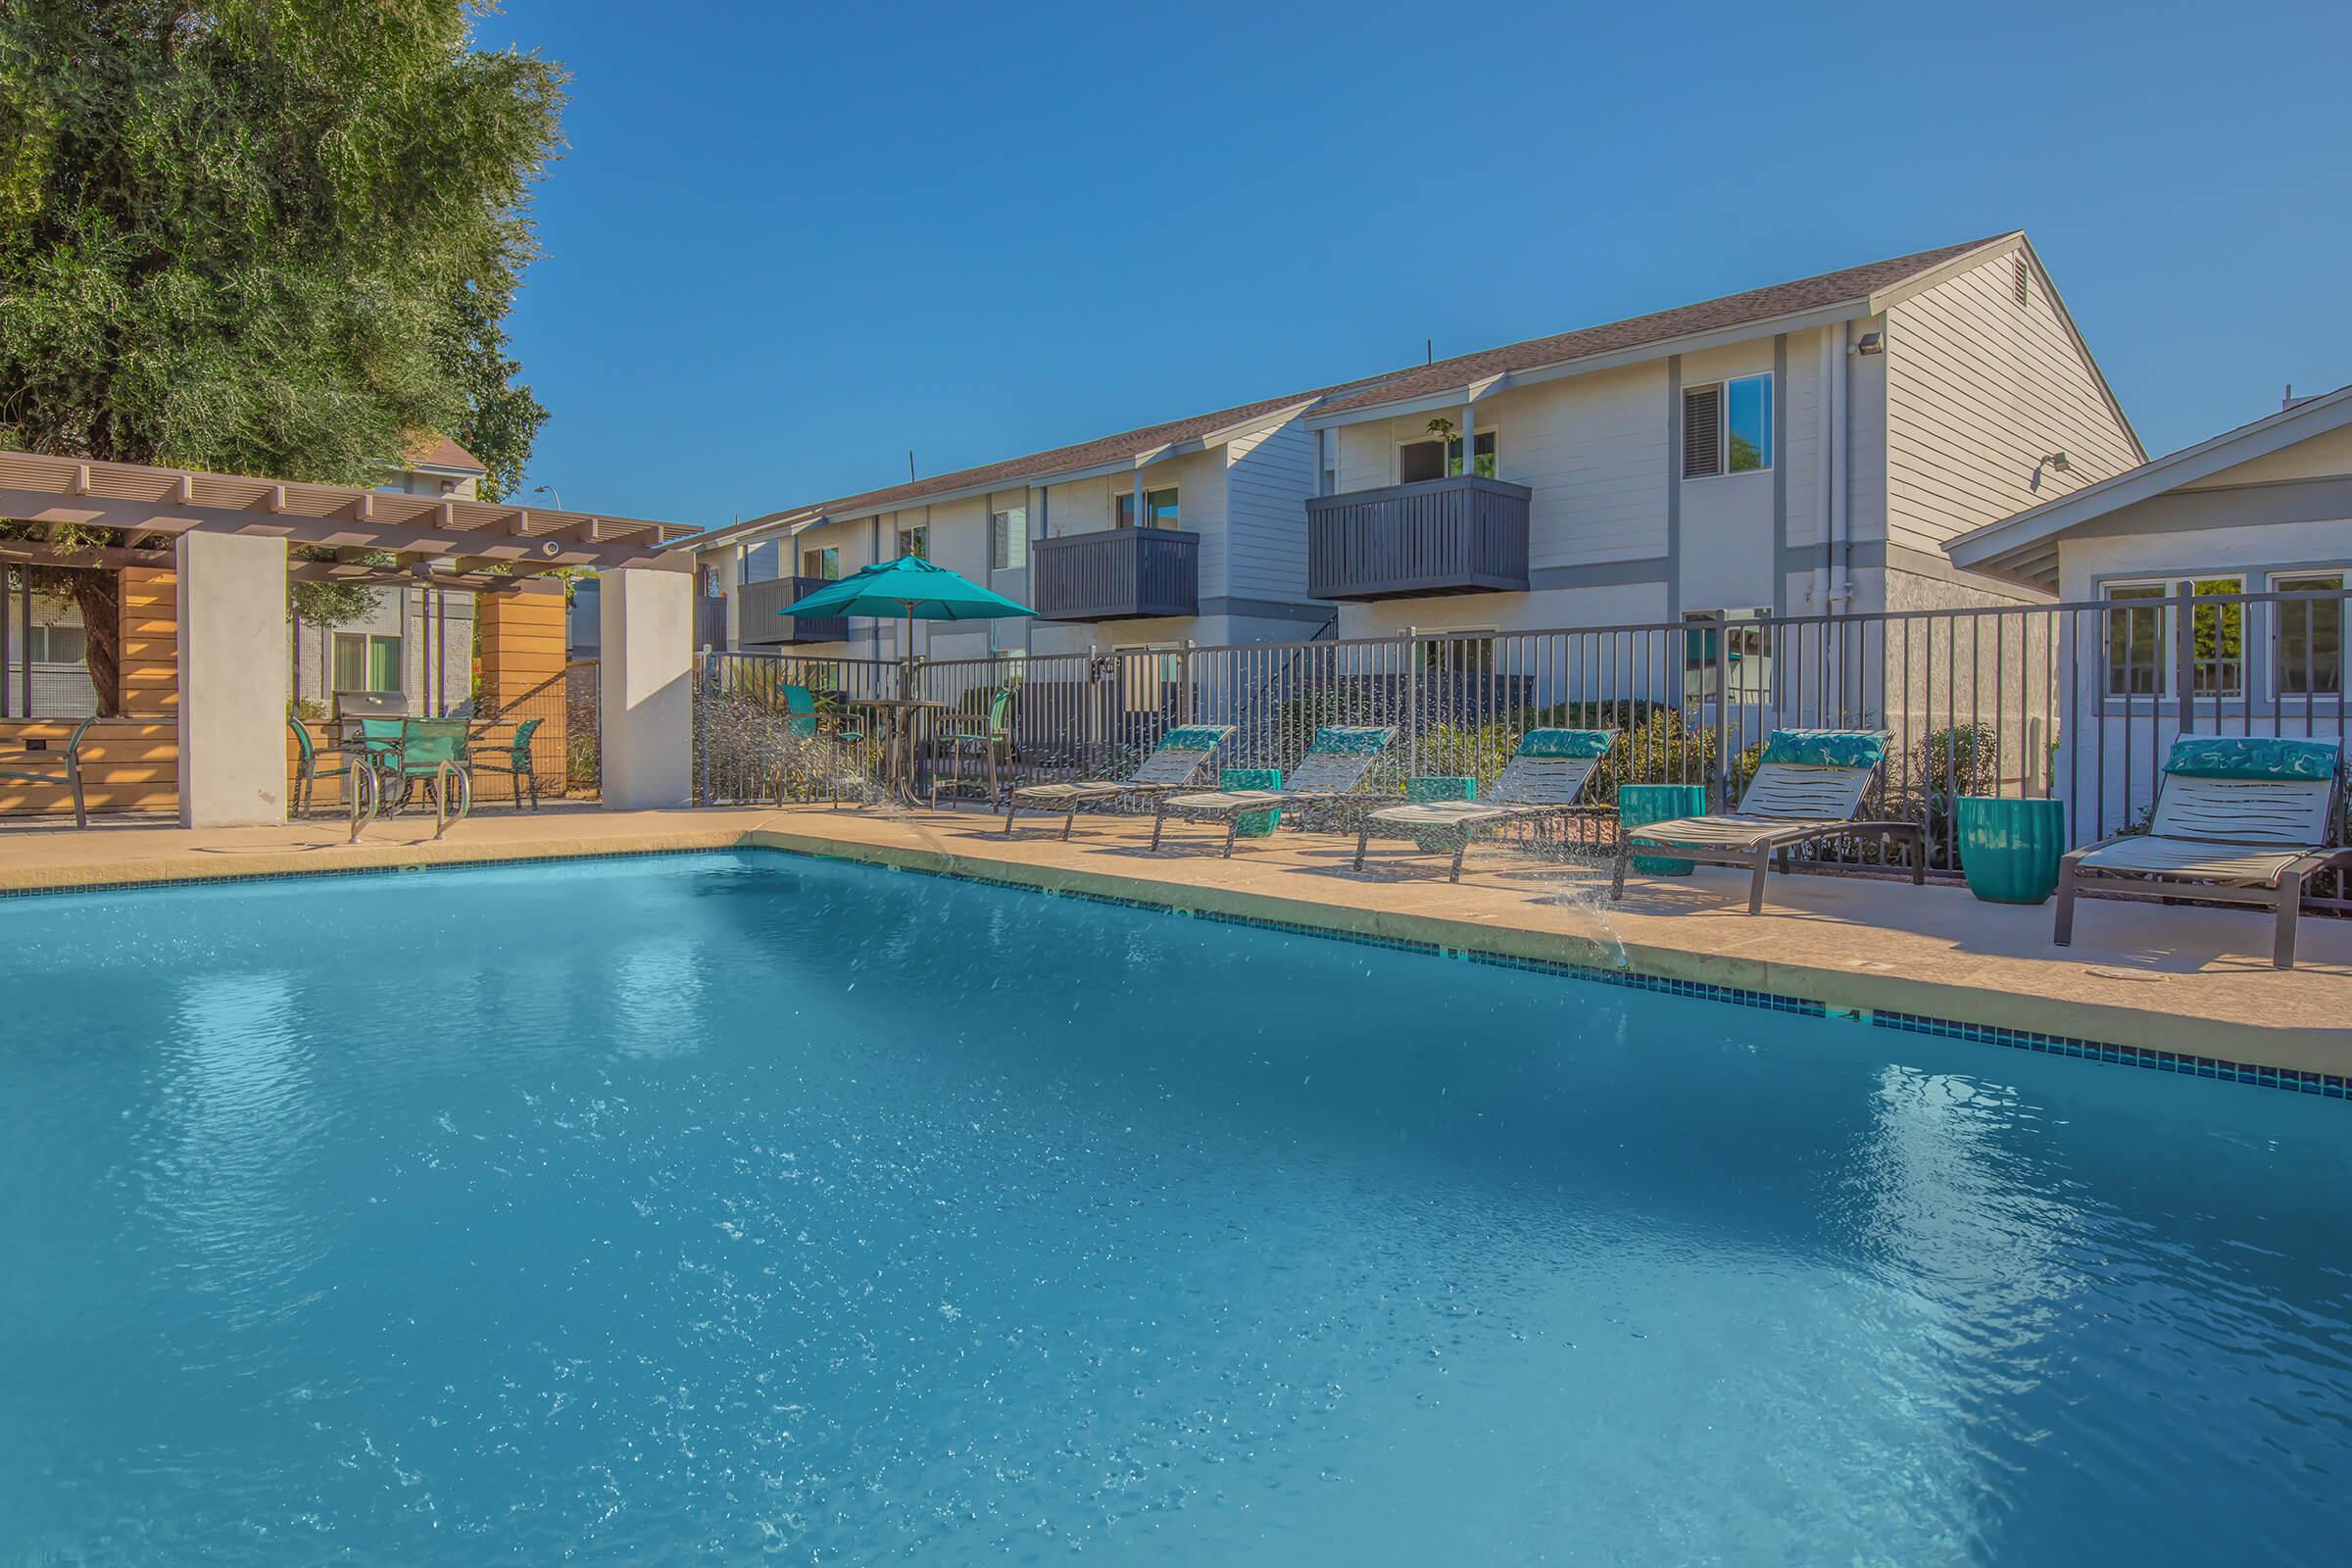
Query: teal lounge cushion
{"x": 1826, "y": 748}
{"x": 1566, "y": 743}
{"x": 2278, "y": 758}
{"x": 1349, "y": 740}
{"x": 1191, "y": 738}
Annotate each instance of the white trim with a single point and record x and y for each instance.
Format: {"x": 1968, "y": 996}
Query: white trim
{"x": 1723, "y": 426}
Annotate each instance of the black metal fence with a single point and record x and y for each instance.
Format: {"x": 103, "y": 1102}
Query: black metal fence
{"x": 2077, "y": 702}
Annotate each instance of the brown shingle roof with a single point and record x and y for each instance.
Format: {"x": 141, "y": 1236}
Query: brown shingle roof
{"x": 1732, "y": 309}
{"x": 440, "y": 452}
{"x": 1659, "y": 326}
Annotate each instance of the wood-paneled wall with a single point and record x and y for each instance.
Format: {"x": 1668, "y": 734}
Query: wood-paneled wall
{"x": 128, "y": 765}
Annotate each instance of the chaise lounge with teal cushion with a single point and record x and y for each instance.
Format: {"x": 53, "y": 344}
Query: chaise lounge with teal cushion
{"x": 2238, "y": 819}
{"x": 19, "y": 767}
{"x": 1544, "y": 780}
{"x": 1809, "y": 783}
{"x": 1334, "y": 765}
{"x": 1172, "y": 765}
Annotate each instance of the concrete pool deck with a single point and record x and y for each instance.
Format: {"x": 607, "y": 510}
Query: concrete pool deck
{"x": 2192, "y": 981}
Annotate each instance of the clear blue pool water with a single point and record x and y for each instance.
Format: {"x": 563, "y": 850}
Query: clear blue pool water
{"x": 740, "y": 1208}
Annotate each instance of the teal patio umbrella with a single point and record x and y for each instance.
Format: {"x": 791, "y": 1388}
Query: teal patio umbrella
{"x": 910, "y": 587}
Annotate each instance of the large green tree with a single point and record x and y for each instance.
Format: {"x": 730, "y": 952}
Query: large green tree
{"x": 261, "y": 236}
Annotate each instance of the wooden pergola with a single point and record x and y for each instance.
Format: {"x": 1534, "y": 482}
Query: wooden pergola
{"x": 436, "y": 541}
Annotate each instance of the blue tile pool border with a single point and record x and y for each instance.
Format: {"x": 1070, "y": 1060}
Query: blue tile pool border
{"x": 2328, "y": 1086}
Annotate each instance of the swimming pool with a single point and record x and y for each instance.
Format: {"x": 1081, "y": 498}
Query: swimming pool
{"x": 690, "y": 1207}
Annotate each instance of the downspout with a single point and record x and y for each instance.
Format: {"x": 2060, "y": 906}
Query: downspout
{"x": 1842, "y": 543}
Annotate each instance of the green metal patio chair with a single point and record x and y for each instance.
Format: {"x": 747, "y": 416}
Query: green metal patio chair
{"x": 16, "y": 766}
{"x": 991, "y": 738}
{"x": 310, "y": 766}
{"x": 832, "y": 747}
{"x": 513, "y": 760}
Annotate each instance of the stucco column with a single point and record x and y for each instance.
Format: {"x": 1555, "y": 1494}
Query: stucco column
{"x": 646, "y": 687}
{"x": 232, "y": 680}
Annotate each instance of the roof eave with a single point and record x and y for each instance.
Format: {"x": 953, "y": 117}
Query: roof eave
{"x": 1484, "y": 386}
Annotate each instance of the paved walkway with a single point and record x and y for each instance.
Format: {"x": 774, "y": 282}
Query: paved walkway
{"x": 2190, "y": 980}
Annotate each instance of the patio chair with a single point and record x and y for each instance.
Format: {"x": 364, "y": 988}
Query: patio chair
{"x": 19, "y": 767}
{"x": 1540, "y": 784}
{"x": 806, "y": 724}
{"x": 1334, "y": 765}
{"x": 1179, "y": 755}
{"x": 2238, "y": 819}
{"x": 989, "y": 738}
{"x": 1809, "y": 783}
{"x": 310, "y": 766}
{"x": 513, "y": 760}
{"x": 406, "y": 751}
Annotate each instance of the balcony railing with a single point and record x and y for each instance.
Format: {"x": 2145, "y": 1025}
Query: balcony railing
{"x": 1461, "y": 536}
{"x": 762, "y": 628}
{"x": 1117, "y": 574}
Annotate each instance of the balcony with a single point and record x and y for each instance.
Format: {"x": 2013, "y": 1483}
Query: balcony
{"x": 762, "y": 628}
{"x": 1117, "y": 574}
{"x": 1460, "y": 535}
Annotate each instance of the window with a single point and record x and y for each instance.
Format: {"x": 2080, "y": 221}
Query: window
{"x": 1008, "y": 539}
{"x": 822, "y": 564}
{"x": 1726, "y": 428}
{"x": 1159, "y": 508}
{"x": 1420, "y": 459}
{"x": 53, "y": 645}
{"x": 2308, "y": 642}
{"x": 915, "y": 542}
{"x": 1457, "y": 651}
{"x": 1746, "y": 656}
{"x": 2139, "y": 661}
{"x": 365, "y": 663}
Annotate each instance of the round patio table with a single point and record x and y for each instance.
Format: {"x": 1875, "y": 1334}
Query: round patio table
{"x": 901, "y": 718}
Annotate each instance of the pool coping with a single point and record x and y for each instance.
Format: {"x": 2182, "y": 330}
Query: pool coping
{"x": 2243, "y": 1051}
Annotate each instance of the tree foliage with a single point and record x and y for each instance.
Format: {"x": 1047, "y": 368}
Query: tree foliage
{"x": 264, "y": 236}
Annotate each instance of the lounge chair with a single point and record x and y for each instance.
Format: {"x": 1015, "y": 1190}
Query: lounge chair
{"x": 1541, "y": 782}
{"x": 1809, "y": 783}
{"x": 20, "y": 766}
{"x": 1172, "y": 764}
{"x": 2239, "y": 819}
{"x": 1333, "y": 767}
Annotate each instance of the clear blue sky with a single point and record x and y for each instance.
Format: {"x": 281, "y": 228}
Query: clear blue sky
{"x": 787, "y": 243}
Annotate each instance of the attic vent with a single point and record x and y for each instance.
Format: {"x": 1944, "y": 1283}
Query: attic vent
{"x": 1703, "y": 431}
{"x": 2017, "y": 278}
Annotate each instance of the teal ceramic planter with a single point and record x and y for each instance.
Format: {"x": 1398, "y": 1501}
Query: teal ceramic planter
{"x": 1640, "y": 805}
{"x": 1253, "y": 824}
{"x": 2009, "y": 850}
{"x": 1423, "y": 787}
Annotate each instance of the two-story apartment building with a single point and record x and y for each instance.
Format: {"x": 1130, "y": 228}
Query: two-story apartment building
{"x": 1803, "y": 449}
{"x": 1188, "y": 531}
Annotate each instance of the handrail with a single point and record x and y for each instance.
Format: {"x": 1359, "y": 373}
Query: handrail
{"x": 364, "y": 782}
{"x": 442, "y": 821}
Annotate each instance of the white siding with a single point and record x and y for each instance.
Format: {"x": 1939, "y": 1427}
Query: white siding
{"x": 1268, "y": 477}
{"x": 1978, "y": 389}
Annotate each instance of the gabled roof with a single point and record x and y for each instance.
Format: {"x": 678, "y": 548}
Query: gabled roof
{"x": 2024, "y": 547}
{"x": 1104, "y": 454}
{"x": 1851, "y": 291}
{"x": 428, "y": 450}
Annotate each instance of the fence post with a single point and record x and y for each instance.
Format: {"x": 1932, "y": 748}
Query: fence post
{"x": 2184, "y": 658}
{"x": 1723, "y": 708}
{"x": 705, "y": 669}
{"x": 1412, "y": 702}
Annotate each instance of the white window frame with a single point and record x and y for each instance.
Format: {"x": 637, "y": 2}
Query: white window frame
{"x": 2174, "y": 585}
{"x": 821, "y": 550}
{"x": 1749, "y": 687}
{"x": 1427, "y": 638}
{"x": 1015, "y": 538}
{"x": 2272, "y": 670}
{"x": 367, "y": 641}
{"x": 1486, "y": 432}
{"x": 1723, "y": 426}
{"x": 921, "y": 531}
